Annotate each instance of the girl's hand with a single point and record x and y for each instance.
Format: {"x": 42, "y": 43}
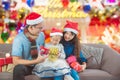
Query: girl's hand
{"x": 59, "y": 54}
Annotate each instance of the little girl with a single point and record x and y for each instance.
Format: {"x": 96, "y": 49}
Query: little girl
{"x": 55, "y": 64}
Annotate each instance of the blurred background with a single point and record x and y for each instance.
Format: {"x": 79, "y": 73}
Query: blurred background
{"x": 99, "y": 20}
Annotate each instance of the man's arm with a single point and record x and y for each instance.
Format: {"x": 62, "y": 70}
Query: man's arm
{"x": 17, "y": 60}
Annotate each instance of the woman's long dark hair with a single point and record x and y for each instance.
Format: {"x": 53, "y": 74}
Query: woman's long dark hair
{"x": 74, "y": 41}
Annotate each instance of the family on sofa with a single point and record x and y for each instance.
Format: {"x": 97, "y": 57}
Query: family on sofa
{"x": 70, "y": 61}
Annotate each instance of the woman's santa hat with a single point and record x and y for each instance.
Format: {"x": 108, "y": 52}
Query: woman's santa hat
{"x": 55, "y": 31}
{"x": 33, "y": 18}
{"x": 71, "y": 26}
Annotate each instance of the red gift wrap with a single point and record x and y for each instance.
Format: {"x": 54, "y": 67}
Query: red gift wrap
{"x": 2, "y": 62}
{"x": 8, "y": 60}
{"x": 76, "y": 66}
{"x": 43, "y": 50}
{"x": 5, "y": 61}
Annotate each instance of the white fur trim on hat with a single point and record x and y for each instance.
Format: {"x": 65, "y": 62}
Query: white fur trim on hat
{"x": 56, "y": 33}
{"x": 35, "y": 21}
{"x": 72, "y": 30}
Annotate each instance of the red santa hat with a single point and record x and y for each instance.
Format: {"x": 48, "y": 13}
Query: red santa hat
{"x": 55, "y": 31}
{"x": 71, "y": 26}
{"x": 33, "y": 18}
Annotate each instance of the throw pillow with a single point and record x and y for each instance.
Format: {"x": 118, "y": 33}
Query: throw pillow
{"x": 93, "y": 55}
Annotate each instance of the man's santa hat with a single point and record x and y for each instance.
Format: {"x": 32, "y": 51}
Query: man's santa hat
{"x": 55, "y": 31}
{"x": 33, "y": 18}
{"x": 71, "y": 26}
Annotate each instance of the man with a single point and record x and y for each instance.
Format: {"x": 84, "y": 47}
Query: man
{"x": 26, "y": 46}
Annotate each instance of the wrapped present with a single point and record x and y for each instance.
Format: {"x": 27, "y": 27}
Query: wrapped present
{"x": 71, "y": 59}
{"x": 53, "y": 53}
{"x": 43, "y": 50}
{"x": 76, "y": 66}
{"x": 2, "y": 63}
{"x": 4, "y": 68}
{"x": 10, "y": 68}
{"x": 8, "y": 60}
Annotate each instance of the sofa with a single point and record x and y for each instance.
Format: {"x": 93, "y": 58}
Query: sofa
{"x": 106, "y": 67}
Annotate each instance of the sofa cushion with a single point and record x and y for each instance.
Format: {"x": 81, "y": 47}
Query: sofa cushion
{"x": 95, "y": 74}
{"x": 93, "y": 55}
{"x": 110, "y": 61}
{"x": 32, "y": 77}
{"x": 6, "y": 76}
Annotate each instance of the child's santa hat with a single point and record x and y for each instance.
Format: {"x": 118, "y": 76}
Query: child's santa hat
{"x": 56, "y": 31}
{"x": 33, "y": 18}
{"x": 71, "y": 26}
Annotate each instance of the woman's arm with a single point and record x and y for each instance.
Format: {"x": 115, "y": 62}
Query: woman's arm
{"x": 83, "y": 66}
{"x": 83, "y": 61}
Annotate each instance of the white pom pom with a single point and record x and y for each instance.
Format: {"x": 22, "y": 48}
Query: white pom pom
{"x": 7, "y": 55}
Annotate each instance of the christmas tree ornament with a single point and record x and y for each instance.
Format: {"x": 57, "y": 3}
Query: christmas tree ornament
{"x": 30, "y": 3}
{"x": 86, "y": 7}
{"x": 5, "y": 36}
{"x": 6, "y": 4}
{"x": 65, "y": 3}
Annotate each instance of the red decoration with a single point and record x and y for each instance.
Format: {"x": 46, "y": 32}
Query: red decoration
{"x": 65, "y": 3}
{"x": 13, "y": 15}
{"x": 94, "y": 21}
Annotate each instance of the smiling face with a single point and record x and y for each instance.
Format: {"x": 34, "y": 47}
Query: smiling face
{"x": 55, "y": 39}
{"x": 37, "y": 29}
{"x": 68, "y": 36}
{"x": 34, "y": 30}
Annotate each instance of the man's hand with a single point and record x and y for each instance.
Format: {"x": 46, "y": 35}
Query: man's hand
{"x": 41, "y": 58}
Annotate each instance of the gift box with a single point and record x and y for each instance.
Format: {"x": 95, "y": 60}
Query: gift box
{"x": 71, "y": 59}
{"x": 76, "y": 66}
{"x": 2, "y": 62}
{"x": 43, "y": 50}
{"x": 8, "y": 60}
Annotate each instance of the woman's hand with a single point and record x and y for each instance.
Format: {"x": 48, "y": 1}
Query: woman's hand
{"x": 83, "y": 66}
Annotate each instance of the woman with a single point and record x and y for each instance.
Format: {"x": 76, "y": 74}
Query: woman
{"x": 71, "y": 45}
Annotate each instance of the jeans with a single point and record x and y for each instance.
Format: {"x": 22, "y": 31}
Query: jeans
{"x": 59, "y": 78}
{"x": 20, "y": 71}
{"x": 75, "y": 74}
